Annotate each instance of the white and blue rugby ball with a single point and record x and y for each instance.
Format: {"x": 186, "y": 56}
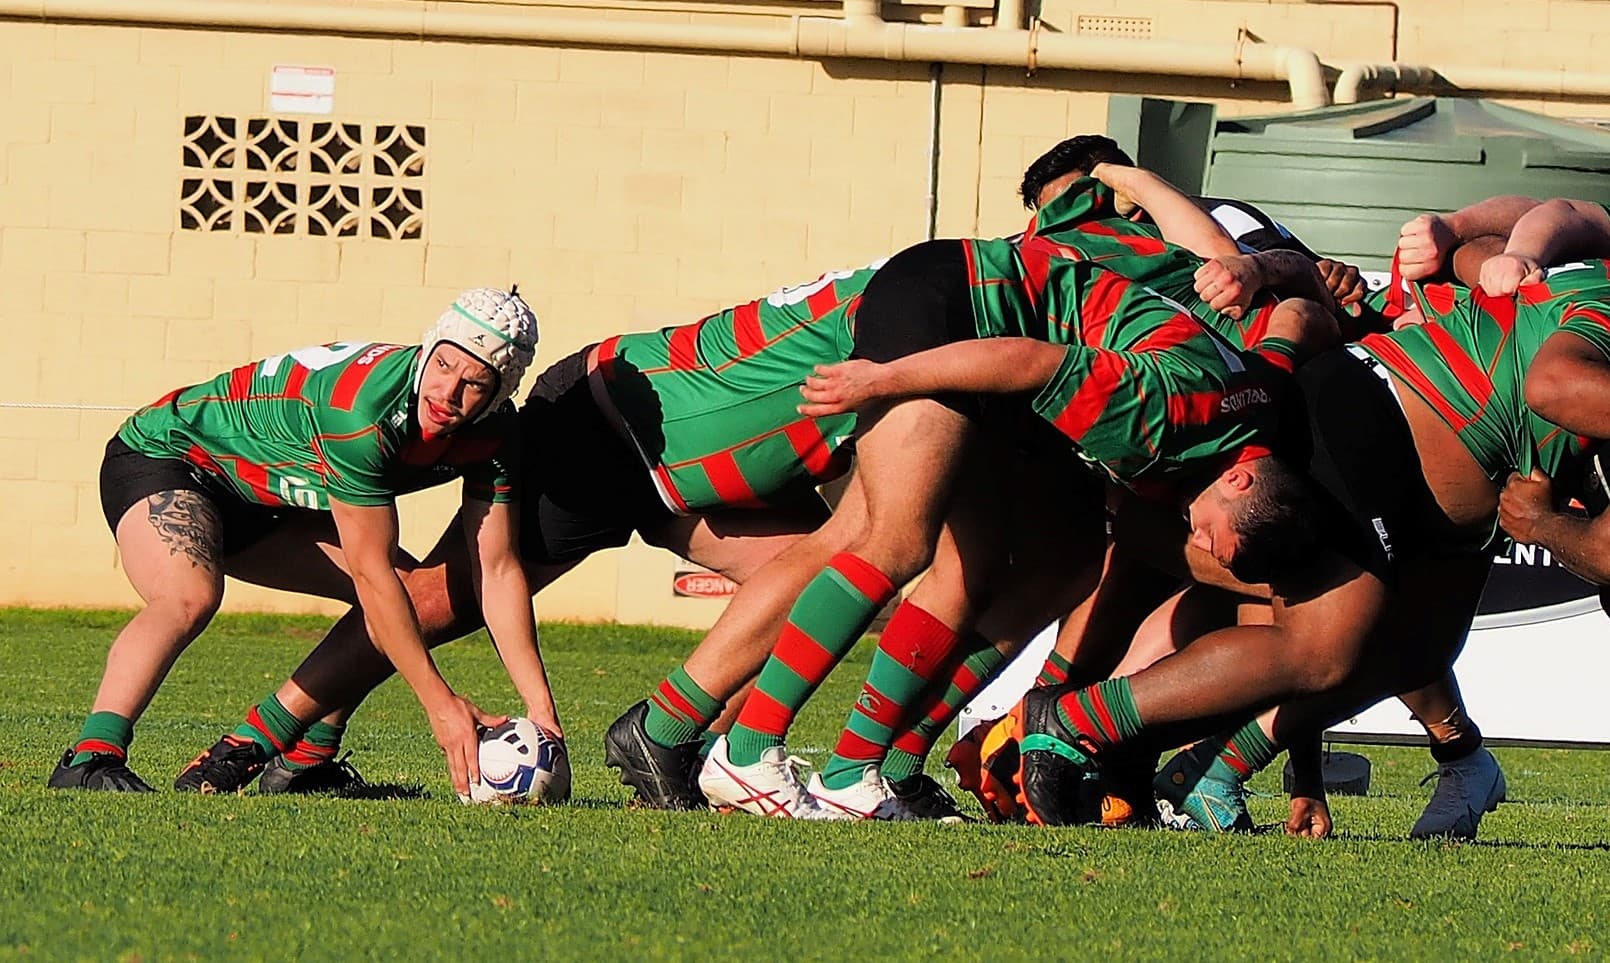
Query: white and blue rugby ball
{"x": 521, "y": 763}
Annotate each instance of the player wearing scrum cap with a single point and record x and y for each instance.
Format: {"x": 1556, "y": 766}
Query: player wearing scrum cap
{"x": 284, "y": 472}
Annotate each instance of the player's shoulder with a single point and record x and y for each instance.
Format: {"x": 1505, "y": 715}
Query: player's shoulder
{"x": 373, "y": 385}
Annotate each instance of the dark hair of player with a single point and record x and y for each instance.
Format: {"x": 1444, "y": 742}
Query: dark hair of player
{"x": 1080, "y": 154}
{"x": 1274, "y": 524}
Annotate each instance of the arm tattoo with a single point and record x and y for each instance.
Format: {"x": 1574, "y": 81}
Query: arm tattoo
{"x": 188, "y": 523}
{"x": 1291, "y": 274}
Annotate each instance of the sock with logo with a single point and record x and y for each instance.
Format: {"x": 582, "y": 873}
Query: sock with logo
{"x": 978, "y": 665}
{"x": 911, "y": 653}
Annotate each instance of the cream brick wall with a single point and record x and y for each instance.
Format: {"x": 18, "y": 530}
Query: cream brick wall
{"x": 621, "y": 188}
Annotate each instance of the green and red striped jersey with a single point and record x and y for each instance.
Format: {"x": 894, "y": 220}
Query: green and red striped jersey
{"x": 1080, "y": 224}
{"x": 712, "y": 405}
{"x": 1577, "y": 280}
{"x": 1469, "y": 360}
{"x": 329, "y": 422}
{"x": 1147, "y": 392}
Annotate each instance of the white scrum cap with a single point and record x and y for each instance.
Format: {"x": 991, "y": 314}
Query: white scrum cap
{"x": 497, "y": 327}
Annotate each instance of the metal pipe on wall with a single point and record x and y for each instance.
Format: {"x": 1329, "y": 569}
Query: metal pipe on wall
{"x": 1357, "y": 80}
{"x": 936, "y": 93}
{"x": 860, "y": 35}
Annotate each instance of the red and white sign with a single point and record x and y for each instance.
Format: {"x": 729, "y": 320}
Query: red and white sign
{"x": 301, "y": 90}
{"x": 694, "y": 582}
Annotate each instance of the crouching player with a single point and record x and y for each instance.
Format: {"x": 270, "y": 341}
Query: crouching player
{"x": 686, "y": 436}
{"x": 284, "y": 473}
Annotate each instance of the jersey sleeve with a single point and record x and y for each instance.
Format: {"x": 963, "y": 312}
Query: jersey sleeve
{"x": 1590, "y": 321}
{"x": 1279, "y": 352}
{"x": 1099, "y": 395}
{"x": 496, "y": 478}
{"x": 355, "y": 460}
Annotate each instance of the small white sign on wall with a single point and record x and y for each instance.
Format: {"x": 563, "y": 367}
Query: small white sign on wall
{"x": 301, "y": 90}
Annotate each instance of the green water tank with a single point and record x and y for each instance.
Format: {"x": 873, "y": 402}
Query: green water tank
{"x": 1345, "y": 178}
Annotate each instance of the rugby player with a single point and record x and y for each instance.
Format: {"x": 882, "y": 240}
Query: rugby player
{"x": 906, "y": 648}
{"x": 284, "y": 472}
{"x": 688, "y": 436}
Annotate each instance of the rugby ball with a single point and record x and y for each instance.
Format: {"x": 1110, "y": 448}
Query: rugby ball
{"x": 520, "y": 763}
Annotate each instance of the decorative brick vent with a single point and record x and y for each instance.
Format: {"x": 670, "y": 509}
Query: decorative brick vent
{"x": 257, "y": 175}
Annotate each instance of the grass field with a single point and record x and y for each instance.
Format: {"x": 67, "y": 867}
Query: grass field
{"x": 86, "y": 876}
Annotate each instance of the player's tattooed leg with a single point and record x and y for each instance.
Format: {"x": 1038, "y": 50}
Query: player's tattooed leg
{"x": 187, "y": 522}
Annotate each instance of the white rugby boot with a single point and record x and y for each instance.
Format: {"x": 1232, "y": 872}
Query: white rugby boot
{"x": 870, "y": 797}
{"x": 770, "y": 787}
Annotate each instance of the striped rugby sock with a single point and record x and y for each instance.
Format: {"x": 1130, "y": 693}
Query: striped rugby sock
{"x": 911, "y": 653}
{"x": 1103, "y": 713}
{"x": 104, "y": 733}
{"x": 830, "y": 615}
{"x": 967, "y": 679}
{"x": 679, "y": 710}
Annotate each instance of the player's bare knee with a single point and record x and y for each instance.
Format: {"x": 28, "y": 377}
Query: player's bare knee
{"x": 185, "y": 615}
{"x": 445, "y": 609}
{"x": 898, "y": 555}
{"x": 909, "y": 555}
{"x": 441, "y": 618}
{"x": 1319, "y": 671}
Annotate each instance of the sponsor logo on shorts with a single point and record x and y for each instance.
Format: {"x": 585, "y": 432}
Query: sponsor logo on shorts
{"x": 1382, "y": 534}
{"x": 1243, "y": 399}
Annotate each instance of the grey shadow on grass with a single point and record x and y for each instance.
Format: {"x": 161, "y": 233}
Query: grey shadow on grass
{"x": 378, "y": 790}
{"x": 1476, "y": 843}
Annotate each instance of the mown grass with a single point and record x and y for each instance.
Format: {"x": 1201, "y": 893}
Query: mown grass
{"x": 85, "y": 876}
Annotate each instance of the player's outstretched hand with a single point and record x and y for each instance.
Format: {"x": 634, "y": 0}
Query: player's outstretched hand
{"x": 1228, "y": 283}
{"x": 1310, "y": 818}
{"x": 1423, "y": 246}
{"x": 1342, "y": 280}
{"x": 1503, "y": 273}
{"x": 837, "y": 388}
{"x": 456, "y": 722}
{"x": 1523, "y": 502}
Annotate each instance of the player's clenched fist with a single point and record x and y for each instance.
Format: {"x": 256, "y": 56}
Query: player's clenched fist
{"x": 1228, "y": 283}
{"x": 1342, "y": 280}
{"x": 1310, "y": 817}
{"x": 1503, "y": 273}
{"x": 1423, "y": 246}
{"x": 1523, "y": 503}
